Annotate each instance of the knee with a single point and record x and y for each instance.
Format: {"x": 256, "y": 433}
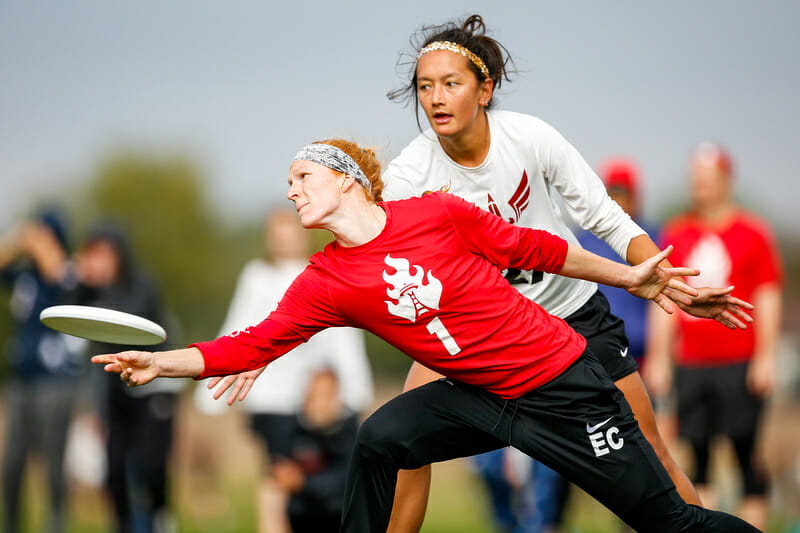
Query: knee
{"x": 379, "y": 438}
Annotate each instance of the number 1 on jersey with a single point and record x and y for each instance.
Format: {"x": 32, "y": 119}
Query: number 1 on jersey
{"x": 436, "y": 327}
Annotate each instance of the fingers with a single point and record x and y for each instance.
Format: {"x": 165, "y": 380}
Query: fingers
{"x": 739, "y": 313}
{"x": 103, "y": 359}
{"x": 663, "y": 254}
{"x": 226, "y": 383}
{"x": 682, "y": 286}
{"x": 717, "y": 291}
{"x": 246, "y": 389}
{"x": 731, "y": 300}
{"x": 236, "y": 389}
{"x": 663, "y": 303}
{"x": 683, "y": 271}
{"x": 676, "y": 296}
{"x": 727, "y": 318}
{"x": 113, "y": 367}
{"x": 213, "y": 382}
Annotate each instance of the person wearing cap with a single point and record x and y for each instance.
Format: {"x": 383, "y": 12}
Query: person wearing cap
{"x": 722, "y": 376}
{"x": 622, "y": 178}
{"x": 44, "y": 365}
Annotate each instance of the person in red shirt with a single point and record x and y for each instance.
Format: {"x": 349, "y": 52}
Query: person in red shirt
{"x": 722, "y": 375}
{"x": 425, "y": 274}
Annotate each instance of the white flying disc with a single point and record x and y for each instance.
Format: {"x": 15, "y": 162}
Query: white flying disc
{"x": 104, "y": 325}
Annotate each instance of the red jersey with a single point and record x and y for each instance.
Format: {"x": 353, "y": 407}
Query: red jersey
{"x": 430, "y": 284}
{"x": 742, "y": 252}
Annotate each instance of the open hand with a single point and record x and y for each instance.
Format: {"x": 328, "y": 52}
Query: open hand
{"x": 242, "y": 383}
{"x": 661, "y": 285}
{"x": 719, "y": 305}
{"x": 135, "y": 368}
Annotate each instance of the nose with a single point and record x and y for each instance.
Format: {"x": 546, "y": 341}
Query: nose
{"x": 437, "y": 96}
{"x": 293, "y": 193}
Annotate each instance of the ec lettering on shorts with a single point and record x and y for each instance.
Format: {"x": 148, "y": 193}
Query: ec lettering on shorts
{"x": 603, "y": 440}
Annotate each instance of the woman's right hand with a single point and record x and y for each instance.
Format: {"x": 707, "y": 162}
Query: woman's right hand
{"x": 135, "y": 368}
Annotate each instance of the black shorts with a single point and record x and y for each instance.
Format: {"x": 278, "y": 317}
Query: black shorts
{"x": 275, "y": 431}
{"x": 715, "y": 401}
{"x": 579, "y": 424}
{"x": 605, "y": 336}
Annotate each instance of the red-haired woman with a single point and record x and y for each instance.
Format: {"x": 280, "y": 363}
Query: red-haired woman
{"x": 425, "y": 275}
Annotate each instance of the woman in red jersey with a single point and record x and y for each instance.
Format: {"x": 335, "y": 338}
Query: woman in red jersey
{"x": 425, "y": 275}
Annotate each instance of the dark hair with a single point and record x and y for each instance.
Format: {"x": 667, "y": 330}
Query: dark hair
{"x": 469, "y": 33}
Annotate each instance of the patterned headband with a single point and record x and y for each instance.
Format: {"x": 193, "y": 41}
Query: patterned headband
{"x": 458, "y": 49}
{"x": 335, "y": 159}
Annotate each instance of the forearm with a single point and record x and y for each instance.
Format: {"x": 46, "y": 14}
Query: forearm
{"x": 662, "y": 329}
{"x": 768, "y": 302}
{"x": 582, "y": 264}
{"x": 642, "y": 248}
{"x": 187, "y": 362}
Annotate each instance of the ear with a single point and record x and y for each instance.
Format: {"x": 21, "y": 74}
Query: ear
{"x": 486, "y": 91}
{"x": 346, "y": 181}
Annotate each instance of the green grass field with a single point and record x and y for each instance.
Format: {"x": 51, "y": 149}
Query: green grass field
{"x": 214, "y": 475}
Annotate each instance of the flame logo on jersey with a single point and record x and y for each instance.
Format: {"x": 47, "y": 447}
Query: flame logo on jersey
{"x": 415, "y": 291}
{"x": 518, "y": 201}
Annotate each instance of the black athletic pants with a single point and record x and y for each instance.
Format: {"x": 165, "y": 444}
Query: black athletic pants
{"x": 578, "y": 424}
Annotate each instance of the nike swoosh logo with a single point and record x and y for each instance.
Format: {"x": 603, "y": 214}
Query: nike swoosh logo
{"x": 624, "y": 352}
{"x": 592, "y": 429}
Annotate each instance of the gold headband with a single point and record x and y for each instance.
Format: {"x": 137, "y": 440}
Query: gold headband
{"x": 458, "y": 49}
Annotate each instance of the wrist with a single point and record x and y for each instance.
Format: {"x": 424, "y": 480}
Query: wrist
{"x": 157, "y": 362}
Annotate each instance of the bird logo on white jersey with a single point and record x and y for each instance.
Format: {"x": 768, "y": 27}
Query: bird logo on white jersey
{"x": 415, "y": 291}
{"x": 518, "y": 201}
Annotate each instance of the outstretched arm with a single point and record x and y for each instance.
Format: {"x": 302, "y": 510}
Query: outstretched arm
{"x": 647, "y": 280}
{"x": 138, "y": 368}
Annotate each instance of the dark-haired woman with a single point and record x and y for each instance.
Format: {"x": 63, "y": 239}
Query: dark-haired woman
{"x": 512, "y": 164}
{"x": 424, "y": 275}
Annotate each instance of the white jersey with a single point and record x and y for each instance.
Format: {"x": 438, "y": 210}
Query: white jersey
{"x": 527, "y": 160}
{"x": 281, "y": 388}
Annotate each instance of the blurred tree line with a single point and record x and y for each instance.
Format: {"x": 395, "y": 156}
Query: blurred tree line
{"x": 178, "y": 237}
{"x": 196, "y": 254}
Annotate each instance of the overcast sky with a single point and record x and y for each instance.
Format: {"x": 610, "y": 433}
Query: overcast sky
{"x": 241, "y": 86}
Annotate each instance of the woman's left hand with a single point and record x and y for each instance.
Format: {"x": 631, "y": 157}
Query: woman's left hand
{"x": 242, "y": 383}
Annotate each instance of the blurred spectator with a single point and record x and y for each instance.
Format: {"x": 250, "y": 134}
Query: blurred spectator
{"x": 138, "y": 421}
{"x": 277, "y": 395}
{"x": 43, "y": 365}
{"x": 723, "y": 376}
{"x": 622, "y": 179}
{"x": 313, "y": 468}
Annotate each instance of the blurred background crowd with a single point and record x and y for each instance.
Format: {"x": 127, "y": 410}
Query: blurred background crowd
{"x": 143, "y": 154}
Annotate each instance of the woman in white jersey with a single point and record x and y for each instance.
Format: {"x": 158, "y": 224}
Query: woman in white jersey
{"x": 510, "y": 163}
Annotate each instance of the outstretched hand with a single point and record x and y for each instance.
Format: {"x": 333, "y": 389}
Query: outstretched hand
{"x": 135, "y": 368}
{"x": 660, "y": 284}
{"x": 242, "y": 383}
{"x": 719, "y": 305}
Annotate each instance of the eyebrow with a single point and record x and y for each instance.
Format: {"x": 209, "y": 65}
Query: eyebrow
{"x": 454, "y": 73}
